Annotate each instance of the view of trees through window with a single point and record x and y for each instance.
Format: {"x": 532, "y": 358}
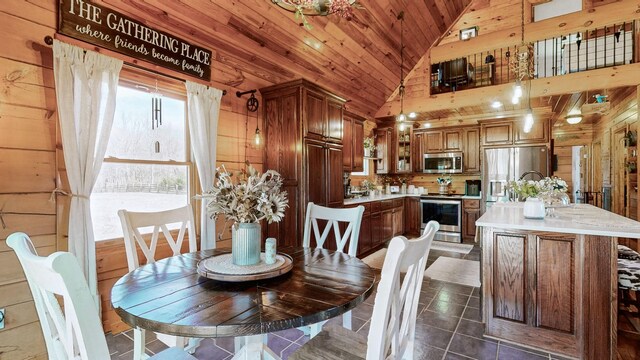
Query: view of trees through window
{"x": 145, "y": 169}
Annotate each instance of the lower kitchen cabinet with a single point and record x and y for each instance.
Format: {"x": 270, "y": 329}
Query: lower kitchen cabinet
{"x": 470, "y": 213}
{"x": 412, "y": 219}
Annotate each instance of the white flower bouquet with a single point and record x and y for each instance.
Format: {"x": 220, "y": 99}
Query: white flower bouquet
{"x": 444, "y": 180}
{"x": 254, "y": 198}
{"x": 530, "y": 188}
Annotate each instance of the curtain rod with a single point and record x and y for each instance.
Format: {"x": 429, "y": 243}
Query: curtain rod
{"x": 49, "y": 41}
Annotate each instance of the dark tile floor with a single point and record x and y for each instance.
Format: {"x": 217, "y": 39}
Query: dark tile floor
{"x": 448, "y": 327}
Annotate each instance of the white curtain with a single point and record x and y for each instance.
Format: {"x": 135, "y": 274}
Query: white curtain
{"x": 86, "y": 84}
{"x": 204, "y": 111}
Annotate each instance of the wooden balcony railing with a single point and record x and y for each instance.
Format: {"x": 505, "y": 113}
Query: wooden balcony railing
{"x": 582, "y": 51}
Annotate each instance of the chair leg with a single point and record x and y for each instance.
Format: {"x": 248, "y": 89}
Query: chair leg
{"x": 346, "y": 320}
{"x": 138, "y": 344}
{"x": 314, "y": 329}
{"x": 192, "y": 345}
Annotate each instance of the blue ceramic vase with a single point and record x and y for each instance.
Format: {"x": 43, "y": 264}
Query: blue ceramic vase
{"x": 245, "y": 243}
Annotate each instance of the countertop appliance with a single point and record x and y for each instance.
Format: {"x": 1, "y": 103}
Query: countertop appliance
{"x": 446, "y": 210}
{"x": 445, "y": 163}
{"x": 472, "y": 187}
{"x": 507, "y": 164}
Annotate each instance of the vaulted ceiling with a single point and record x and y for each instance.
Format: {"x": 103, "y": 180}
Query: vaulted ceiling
{"x": 256, "y": 43}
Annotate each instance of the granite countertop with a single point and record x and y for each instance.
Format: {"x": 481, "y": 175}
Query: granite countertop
{"x": 366, "y": 199}
{"x": 575, "y": 219}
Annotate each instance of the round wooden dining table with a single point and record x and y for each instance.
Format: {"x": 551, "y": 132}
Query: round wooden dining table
{"x": 168, "y": 296}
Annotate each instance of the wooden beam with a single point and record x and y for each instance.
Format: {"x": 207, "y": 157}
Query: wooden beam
{"x": 618, "y": 12}
{"x": 605, "y": 78}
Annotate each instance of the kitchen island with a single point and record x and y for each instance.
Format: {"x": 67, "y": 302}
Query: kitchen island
{"x": 552, "y": 284}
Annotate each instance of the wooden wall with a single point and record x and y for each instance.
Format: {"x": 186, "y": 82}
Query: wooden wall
{"x": 27, "y": 165}
{"x": 607, "y": 132}
{"x": 31, "y": 160}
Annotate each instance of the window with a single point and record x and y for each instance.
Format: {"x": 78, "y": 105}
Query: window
{"x": 144, "y": 169}
{"x": 365, "y": 169}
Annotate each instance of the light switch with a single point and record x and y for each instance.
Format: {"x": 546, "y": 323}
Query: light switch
{"x": 1, "y": 319}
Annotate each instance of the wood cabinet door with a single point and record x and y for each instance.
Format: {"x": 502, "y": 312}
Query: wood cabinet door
{"x": 497, "y": 134}
{"x": 364, "y": 240}
{"x": 387, "y": 225}
{"x": 471, "y": 148}
{"x": 418, "y": 152}
{"x": 316, "y": 173}
{"x": 315, "y": 117}
{"x": 376, "y": 229}
{"x": 412, "y": 215}
{"x": 398, "y": 221}
{"x": 433, "y": 141}
{"x": 452, "y": 140}
{"x": 334, "y": 122}
{"x": 539, "y": 133}
{"x": 347, "y": 146}
{"x": 281, "y": 131}
{"x": 469, "y": 217}
{"x": 383, "y": 140}
{"x": 335, "y": 187}
{"x": 357, "y": 149}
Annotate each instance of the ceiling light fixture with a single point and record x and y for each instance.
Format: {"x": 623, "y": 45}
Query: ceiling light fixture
{"x": 574, "y": 118}
{"x": 412, "y": 115}
{"x": 496, "y": 104}
{"x": 304, "y": 8}
{"x": 401, "y": 117}
{"x": 521, "y": 64}
{"x": 427, "y": 125}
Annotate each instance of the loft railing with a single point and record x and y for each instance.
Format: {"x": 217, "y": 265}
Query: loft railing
{"x": 593, "y": 49}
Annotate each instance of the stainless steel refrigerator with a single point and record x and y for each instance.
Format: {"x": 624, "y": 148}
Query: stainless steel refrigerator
{"x": 506, "y": 164}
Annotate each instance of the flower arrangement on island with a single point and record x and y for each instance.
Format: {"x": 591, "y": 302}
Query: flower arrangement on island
{"x": 254, "y": 198}
{"x": 529, "y": 188}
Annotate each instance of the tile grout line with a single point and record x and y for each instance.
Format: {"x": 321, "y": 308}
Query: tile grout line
{"x": 456, "y": 328}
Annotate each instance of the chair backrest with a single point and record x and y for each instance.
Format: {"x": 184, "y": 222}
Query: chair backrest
{"x": 76, "y": 332}
{"x": 352, "y": 216}
{"x": 133, "y": 221}
{"x": 392, "y": 330}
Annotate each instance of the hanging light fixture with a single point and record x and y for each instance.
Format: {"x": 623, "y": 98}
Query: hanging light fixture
{"x": 521, "y": 64}
{"x": 304, "y": 8}
{"x": 252, "y": 106}
{"x": 401, "y": 118}
{"x": 528, "y": 121}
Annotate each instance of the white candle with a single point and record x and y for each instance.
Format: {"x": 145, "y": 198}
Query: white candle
{"x": 270, "y": 251}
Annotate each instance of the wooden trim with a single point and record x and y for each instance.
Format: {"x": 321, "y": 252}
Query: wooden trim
{"x": 616, "y": 76}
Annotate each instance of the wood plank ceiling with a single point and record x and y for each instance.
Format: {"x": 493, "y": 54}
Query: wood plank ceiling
{"x": 256, "y": 43}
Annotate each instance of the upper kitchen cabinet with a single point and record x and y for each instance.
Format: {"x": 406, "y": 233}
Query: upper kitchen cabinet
{"x": 512, "y": 133}
{"x": 418, "y": 151}
{"x": 471, "y": 150}
{"x": 402, "y": 142}
{"x": 497, "y": 134}
{"x": 322, "y": 113}
{"x": 538, "y": 134}
{"x": 353, "y": 143}
{"x": 447, "y": 140}
{"x": 384, "y": 154}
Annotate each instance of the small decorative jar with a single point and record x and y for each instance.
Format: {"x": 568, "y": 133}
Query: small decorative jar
{"x": 555, "y": 199}
{"x": 443, "y": 189}
{"x": 534, "y": 208}
{"x": 270, "y": 251}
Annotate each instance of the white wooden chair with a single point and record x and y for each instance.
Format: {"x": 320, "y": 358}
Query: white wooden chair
{"x": 353, "y": 218}
{"x": 131, "y": 223}
{"x": 392, "y": 329}
{"x": 76, "y": 332}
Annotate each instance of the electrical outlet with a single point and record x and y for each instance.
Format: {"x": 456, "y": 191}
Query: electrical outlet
{"x": 1, "y": 319}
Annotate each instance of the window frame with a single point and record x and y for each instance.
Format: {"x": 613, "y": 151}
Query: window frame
{"x": 137, "y": 82}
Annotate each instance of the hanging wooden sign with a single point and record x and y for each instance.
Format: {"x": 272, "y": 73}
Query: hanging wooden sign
{"x": 112, "y": 30}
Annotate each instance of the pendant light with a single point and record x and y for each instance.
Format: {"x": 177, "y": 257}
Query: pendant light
{"x": 401, "y": 117}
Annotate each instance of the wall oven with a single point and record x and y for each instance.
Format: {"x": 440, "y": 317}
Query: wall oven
{"x": 447, "y": 212}
{"x": 445, "y": 163}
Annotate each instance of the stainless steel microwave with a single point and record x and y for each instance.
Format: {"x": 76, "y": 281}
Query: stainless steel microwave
{"x": 445, "y": 163}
